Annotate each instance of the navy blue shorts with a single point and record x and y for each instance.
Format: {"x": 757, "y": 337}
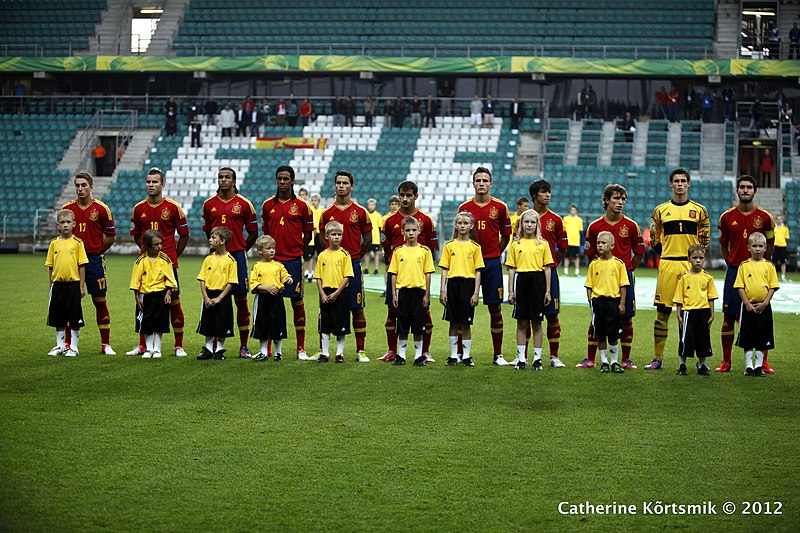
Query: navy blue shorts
{"x": 630, "y": 297}
{"x": 243, "y": 287}
{"x": 356, "y": 286}
{"x": 731, "y": 302}
{"x": 96, "y": 276}
{"x": 492, "y": 281}
{"x": 389, "y": 300}
{"x": 176, "y": 292}
{"x": 295, "y": 289}
{"x": 554, "y": 306}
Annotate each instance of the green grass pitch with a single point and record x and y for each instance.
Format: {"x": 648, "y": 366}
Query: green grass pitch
{"x": 125, "y": 444}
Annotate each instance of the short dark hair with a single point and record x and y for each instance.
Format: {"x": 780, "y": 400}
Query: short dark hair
{"x": 86, "y": 176}
{"x": 344, "y": 173}
{"x": 482, "y": 170}
{"x": 609, "y": 191}
{"x": 228, "y": 168}
{"x": 285, "y": 168}
{"x": 522, "y": 199}
{"x": 223, "y": 233}
{"x": 155, "y": 170}
{"x": 747, "y": 177}
{"x": 408, "y": 186}
{"x": 539, "y": 186}
{"x": 678, "y": 171}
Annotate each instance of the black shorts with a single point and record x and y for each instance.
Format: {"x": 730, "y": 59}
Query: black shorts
{"x": 573, "y": 252}
{"x": 269, "y": 317}
{"x": 606, "y": 319}
{"x": 410, "y": 312}
{"x": 755, "y": 330}
{"x": 458, "y": 310}
{"x": 529, "y": 289}
{"x": 154, "y": 316}
{"x": 375, "y": 248}
{"x": 695, "y": 337}
{"x": 309, "y": 251}
{"x": 64, "y": 308}
{"x": 779, "y": 256}
{"x": 216, "y": 321}
{"x": 334, "y": 318}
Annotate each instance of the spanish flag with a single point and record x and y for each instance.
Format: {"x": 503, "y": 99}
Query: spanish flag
{"x": 291, "y": 143}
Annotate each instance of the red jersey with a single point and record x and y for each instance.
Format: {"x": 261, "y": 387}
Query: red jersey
{"x": 236, "y": 214}
{"x": 355, "y": 221}
{"x": 93, "y": 224}
{"x": 392, "y": 234}
{"x": 735, "y": 227}
{"x": 287, "y": 221}
{"x": 492, "y": 221}
{"x": 553, "y": 232}
{"x": 627, "y": 239}
{"x": 166, "y": 217}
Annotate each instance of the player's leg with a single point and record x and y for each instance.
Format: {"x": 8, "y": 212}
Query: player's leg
{"x": 356, "y": 289}
{"x": 492, "y": 289}
{"x": 96, "y": 287}
{"x": 295, "y": 292}
{"x": 239, "y": 293}
{"x": 426, "y": 337}
{"x": 626, "y": 324}
{"x": 523, "y": 326}
{"x": 668, "y": 273}
{"x": 176, "y": 318}
{"x": 391, "y": 322}
{"x": 731, "y": 307}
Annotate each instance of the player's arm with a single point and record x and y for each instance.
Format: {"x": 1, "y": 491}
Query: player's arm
{"x": 655, "y": 231}
{"x": 426, "y": 300}
{"x": 512, "y": 275}
{"x": 623, "y": 293}
{"x": 81, "y": 274}
{"x": 108, "y": 240}
{"x": 547, "y": 276}
{"x": 180, "y": 246}
{"x": 394, "y": 291}
{"x": 251, "y": 239}
{"x": 745, "y": 300}
{"x": 636, "y": 259}
{"x": 206, "y": 300}
{"x": 307, "y": 235}
{"x": 137, "y": 297}
{"x": 366, "y": 242}
{"x": 711, "y": 308}
{"x": 345, "y": 282}
{"x": 443, "y": 287}
{"x": 504, "y": 240}
{"x": 679, "y": 310}
{"x": 760, "y": 306}
{"x": 323, "y": 297}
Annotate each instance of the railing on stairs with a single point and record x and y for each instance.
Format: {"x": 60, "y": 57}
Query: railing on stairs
{"x": 124, "y": 122}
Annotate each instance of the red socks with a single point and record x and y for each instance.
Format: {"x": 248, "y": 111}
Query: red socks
{"x": 391, "y": 334}
{"x": 553, "y": 334}
{"x": 360, "y": 330}
{"x": 176, "y": 318}
{"x": 299, "y": 310}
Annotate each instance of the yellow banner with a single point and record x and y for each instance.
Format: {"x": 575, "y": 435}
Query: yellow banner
{"x": 291, "y": 143}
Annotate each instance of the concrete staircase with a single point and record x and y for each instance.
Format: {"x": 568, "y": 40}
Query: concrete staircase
{"x": 771, "y": 200}
{"x": 161, "y": 43}
{"x": 673, "y": 159}
{"x": 113, "y": 32}
{"x": 639, "y": 154}
{"x": 712, "y": 151}
{"x": 528, "y": 155}
{"x": 726, "y": 40}
{"x": 788, "y": 13}
{"x": 573, "y": 142}
{"x": 606, "y": 143}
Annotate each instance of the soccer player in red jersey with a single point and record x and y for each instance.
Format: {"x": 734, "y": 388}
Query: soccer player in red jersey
{"x": 391, "y": 237}
{"x": 165, "y": 216}
{"x": 290, "y": 221}
{"x": 493, "y": 231}
{"x": 629, "y": 248}
{"x": 230, "y": 209}
{"x": 356, "y": 241}
{"x": 735, "y": 226}
{"x": 553, "y": 231}
{"x": 94, "y": 225}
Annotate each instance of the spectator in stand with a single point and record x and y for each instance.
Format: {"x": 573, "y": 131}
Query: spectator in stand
{"x": 255, "y": 123}
{"x": 305, "y": 112}
{"x": 227, "y": 120}
{"x": 475, "y": 110}
{"x": 628, "y": 125}
{"x": 774, "y": 42}
{"x": 292, "y": 112}
{"x": 587, "y": 100}
{"x": 794, "y": 42}
{"x": 369, "y": 111}
{"x": 416, "y": 112}
{"x": 280, "y": 112}
{"x": 349, "y": 111}
{"x": 387, "y": 112}
{"x": 787, "y": 114}
{"x": 707, "y": 104}
{"x": 399, "y": 112}
{"x": 171, "y": 125}
{"x": 672, "y": 104}
{"x": 338, "y": 112}
{"x": 766, "y": 168}
{"x": 430, "y": 111}
{"x": 756, "y": 114}
{"x": 99, "y": 154}
{"x": 191, "y": 109}
{"x": 446, "y": 93}
{"x": 196, "y": 127}
{"x": 19, "y": 92}
{"x": 729, "y": 103}
{"x": 516, "y": 111}
{"x": 211, "y": 112}
{"x": 242, "y": 122}
{"x": 690, "y": 101}
{"x": 488, "y": 112}
{"x": 265, "y": 114}
{"x": 661, "y": 103}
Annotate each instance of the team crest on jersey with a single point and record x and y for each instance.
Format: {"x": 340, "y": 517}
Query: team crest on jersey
{"x": 353, "y": 216}
{"x": 94, "y": 215}
{"x": 294, "y": 209}
{"x": 758, "y": 223}
{"x": 493, "y": 213}
{"x": 237, "y": 208}
{"x": 551, "y": 225}
{"x": 692, "y": 213}
{"x": 623, "y": 231}
{"x": 165, "y": 214}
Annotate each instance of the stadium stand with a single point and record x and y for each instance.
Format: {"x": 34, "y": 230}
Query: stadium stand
{"x": 680, "y": 29}
{"x": 51, "y": 28}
